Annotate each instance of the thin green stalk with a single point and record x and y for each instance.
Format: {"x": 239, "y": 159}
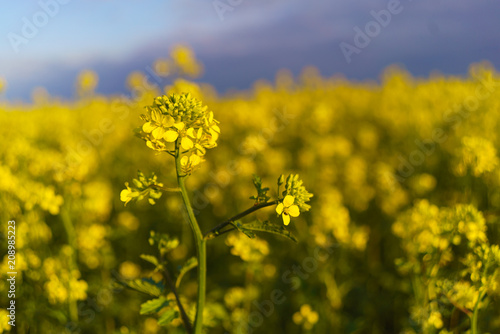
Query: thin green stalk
{"x": 201, "y": 252}
{"x": 216, "y": 231}
{"x": 170, "y": 283}
{"x": 475, "y": 314}
{"x": 71, "y": 234}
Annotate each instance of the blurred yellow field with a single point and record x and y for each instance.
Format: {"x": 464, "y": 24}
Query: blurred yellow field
{"x": 401, "y": 237}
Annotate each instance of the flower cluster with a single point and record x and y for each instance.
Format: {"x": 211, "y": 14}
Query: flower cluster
{"x": 185, "y": 60}
{"x": 295, "y": 197}
{"x": 477, "y": 154}
{"x": 142, "y": 187}
{"x": 62, "y": 284}
{"x": 250, "y": 250}
{"x": 306, "y": 317}
{"x": 4, "y": 325}
{"x": 448, "y": 251}
{"x": 294, "y": 187}
{"x": 179, "y": 117}
{"x": 426, "y": 230}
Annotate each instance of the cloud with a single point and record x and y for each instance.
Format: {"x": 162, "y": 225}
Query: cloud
{"x": 259, "y": 37}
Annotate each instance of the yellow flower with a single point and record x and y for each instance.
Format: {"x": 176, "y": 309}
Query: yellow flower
{"x": 126, "y": 195}
{"x": 287, "y": 209}
{"x": 306, "y": 316}
{"x": 130, "y": 270}
{"x": 250, "y": 250}
{"x": 4, "y": 324}
{"x": 179, "y": 118}
{"x": 188, "y": 164}
{"x": 163, "y": 127}
{"x": 87, "y": 81}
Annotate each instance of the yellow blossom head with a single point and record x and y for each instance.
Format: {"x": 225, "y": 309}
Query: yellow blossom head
{"x": 295, "y": 198}
{"x": 179, "y": 118}
{"x": 305, "y": 317}
{"x": 185, "y": 61}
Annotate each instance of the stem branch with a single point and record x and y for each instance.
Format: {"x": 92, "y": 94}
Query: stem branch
{"x": 185, "y": 318}
{"x": 155, "y": 186}
{"x": 216, "y": 231}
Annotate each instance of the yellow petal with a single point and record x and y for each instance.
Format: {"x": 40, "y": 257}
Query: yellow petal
{"x": 187, "y": 143}
{"x": 200, "y": 150}
{"x": 148, "y": 127}
{"x": 124, "y": 195}
{"x": 156, "y": 116}
{"x": 286, "y": 219}
{"x": 179, "y": 125}
{"x": 288, "y": 200}
{"x": 294, "y": 211}
{"x": 194, "y": 159}
{"x": 214, "y": 134}
{"x": 158, "y": 133}
{"x": 279, "y": 208}
{"x": 167, "y": 121}
{"x": 170, "y": 136}
{"x": 184, "y": 160}
{"x": 190, "y": 132}
{"x": 215, "y": 128}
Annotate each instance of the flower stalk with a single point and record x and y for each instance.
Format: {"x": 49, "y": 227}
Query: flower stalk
{"x": 216, "y": 231}
{"x": 200, "y": 243}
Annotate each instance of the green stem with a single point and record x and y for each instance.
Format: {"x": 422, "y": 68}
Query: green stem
{"x": 72, "y": 242}
{"x": 216, "y": 231}
{"x": 184, "y": 316}
{"x": 475, "y": 314}
{"x": 201, "y": 252}
{"x": 166, "y": 189}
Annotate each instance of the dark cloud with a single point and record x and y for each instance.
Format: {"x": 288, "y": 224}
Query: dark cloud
{"x": 255, "y": 42}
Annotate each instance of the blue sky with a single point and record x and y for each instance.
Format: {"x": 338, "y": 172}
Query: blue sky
{"x": 254, "y": 40}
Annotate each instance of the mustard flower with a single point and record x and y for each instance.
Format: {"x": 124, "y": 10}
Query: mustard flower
{"x": 287, "y": 209}
{"x": 142, "y": 187}
{"x": 179, "y": 117}
{"x": 188, "y": 164}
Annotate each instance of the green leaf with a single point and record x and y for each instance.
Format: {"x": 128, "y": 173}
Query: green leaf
{"x": 243, "y": 230}
{"x": 145, "y": 285}
{"x": 167, "y": 317}
{"x": 269, "y": 228}
{"x": 154, "y": 305}
{"x": 261, "y": 192}
{"x": 150, "y": 258}
{"x": 190, "y": 264}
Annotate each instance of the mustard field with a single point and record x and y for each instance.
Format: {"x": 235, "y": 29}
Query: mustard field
{"x": 388, "y": 222}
